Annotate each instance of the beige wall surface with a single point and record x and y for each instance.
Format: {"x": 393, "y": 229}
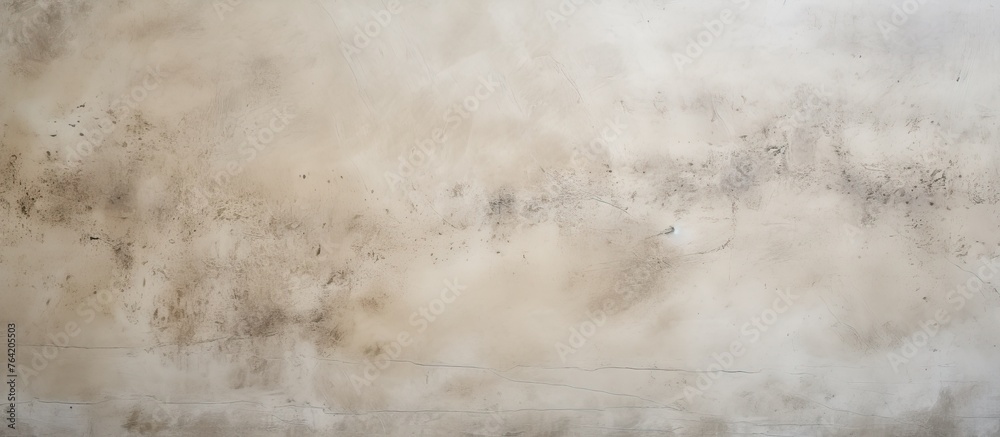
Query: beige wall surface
{"x": 500, "y": 217}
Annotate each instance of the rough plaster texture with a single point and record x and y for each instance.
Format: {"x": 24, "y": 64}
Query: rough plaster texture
{"x": 519, "y": 218}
